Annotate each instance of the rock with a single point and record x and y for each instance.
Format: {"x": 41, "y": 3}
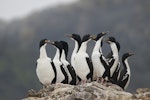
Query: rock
{"x": 88, "y": 91}
{"x": 142, "y": 94}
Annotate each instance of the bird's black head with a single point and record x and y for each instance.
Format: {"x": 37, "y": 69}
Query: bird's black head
{"x": 42, "y": 42}
{"x": 75, "y": 37}
{"x": 99, "y": 36}
{"x": 65, "y": 47}
{"x": 126, "y": 55}
{"x": 87, "y": 37}
{"x": 58, "y": 45}
{"x": 111, "y": 39}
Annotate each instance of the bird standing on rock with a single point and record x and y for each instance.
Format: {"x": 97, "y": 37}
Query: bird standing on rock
{"x": 70, "y": 70}
{"x": 100, "y": 65}
{"x": 116, "y": 74}
{"x": 83, "y": 64}
{"x": 62, "y": 76}
{"x": 125, "y": 74}
{"x": 46, "y": 71}
{"x": 114, "y": 61}
{"x": 77, "y": 39}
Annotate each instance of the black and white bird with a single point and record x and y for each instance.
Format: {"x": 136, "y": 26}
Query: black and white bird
{"x": 62, "y": 76}
{"x": 77, "y": 39}
{"x": 125, "y": 74}
{"x": 114, "y": 61}
{"x": 83, "y": 64}
{"x": 46, "y": 71}
{"x": 115, "y": 77}
{"x": 110, "y": 55}
{"x": 100, "y": 64}
{"x": 70, "y": 70}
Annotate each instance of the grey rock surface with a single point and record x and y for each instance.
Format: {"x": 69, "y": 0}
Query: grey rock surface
{"x": 88, "y": 91}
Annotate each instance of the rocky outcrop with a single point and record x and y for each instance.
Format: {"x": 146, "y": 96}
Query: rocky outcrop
{"x": 88, "y": 91}
{"x": 142, "y": 94}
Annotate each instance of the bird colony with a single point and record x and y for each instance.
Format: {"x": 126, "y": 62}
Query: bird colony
{"x": 83, "y": 67}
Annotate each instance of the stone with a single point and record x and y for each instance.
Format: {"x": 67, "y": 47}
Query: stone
{"x": 87, "y": 91}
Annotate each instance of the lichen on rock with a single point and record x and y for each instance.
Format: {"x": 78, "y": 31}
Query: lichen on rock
{"x": 88, "y": 91}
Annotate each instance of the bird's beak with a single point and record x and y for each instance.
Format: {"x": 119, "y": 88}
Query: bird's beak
{"x": 92, "y": 37}
{"x": 104, "y": 33}
{"x": 47, "y": 41}
{"x": 68, "y": 35}
{"x": 51, "y": 42}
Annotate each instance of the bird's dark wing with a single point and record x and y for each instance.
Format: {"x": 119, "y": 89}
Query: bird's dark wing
{"x": 123, "y": 80}
{"x": 73, "y": 74}
{"x": 122, "y": 73}
{"x": 65, "y": 81}
{"x": 54, "y": 68}
{"x": 89, "y": 62}
{"x": 116, "y": 73}
{"x": 106, "y": 66}
{"x": 104, "y": 62}
{"x": 111, "y": 62}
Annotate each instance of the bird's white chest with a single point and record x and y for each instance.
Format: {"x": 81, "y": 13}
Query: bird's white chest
{"x": 60, "y": 75}
{"x": 127, "y": 82}
{"x": 128, "y": 73}
{"x": 97, "y": 64}
{"x": 45, "y": 71}
{"x": 81, "y": 65}
{"x": 73, "y": 59}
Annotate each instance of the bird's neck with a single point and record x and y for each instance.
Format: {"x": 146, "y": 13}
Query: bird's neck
{"x": 97, "y": 46}
{"x": 83, "y": 47}
{"x": 43, "y": 53}
{"x": 114, "y": 50}
{"x": 57, "y": 55}
{"x": 126, "y": 65}
{"x": 76, "y": 47}
{"x": 75, "y": 50}
{"x": 63, "y": 56}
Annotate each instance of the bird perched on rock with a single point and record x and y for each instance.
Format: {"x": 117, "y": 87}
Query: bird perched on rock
{"x": 114, "y": 61}
{"x": 46, "y": 71}
{"x": 70, "y": 70}
{"x": 125, "y": 74}
{"x": 100, "y": 65}
{"x": 83, "y": 65}
{"x": 116, "y": 74}
{"x": 62, "y": 76}
{"x": 77, "y": 39}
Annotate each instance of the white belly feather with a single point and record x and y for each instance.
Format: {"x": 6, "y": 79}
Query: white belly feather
{"x": 97, "y": 65}
{"x": 45, "y": 71}
{"x": 81, "y": 66}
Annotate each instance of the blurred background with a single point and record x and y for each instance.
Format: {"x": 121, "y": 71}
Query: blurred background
{"x": 24, "y": 24}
